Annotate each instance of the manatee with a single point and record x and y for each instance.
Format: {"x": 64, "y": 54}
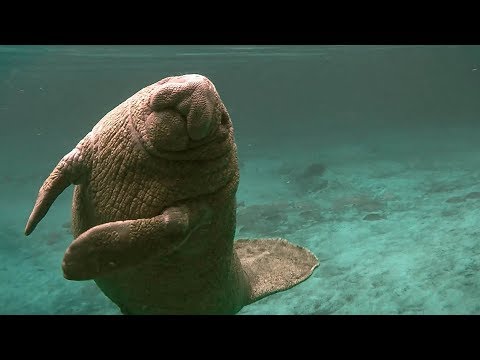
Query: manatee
{"x": 154, "y": 208}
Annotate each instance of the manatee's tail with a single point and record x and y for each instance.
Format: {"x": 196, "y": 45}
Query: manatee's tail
{"x": 274, "y": 265}
{"x": 68, "y": 171}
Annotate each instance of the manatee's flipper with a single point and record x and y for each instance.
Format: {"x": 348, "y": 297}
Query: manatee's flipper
{"x": 68, "y": 171}
{"x": 274, "y": 265}
{"x": 111, "y": 246}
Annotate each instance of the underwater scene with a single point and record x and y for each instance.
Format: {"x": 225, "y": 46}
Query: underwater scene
{"x": 234, "y": 179}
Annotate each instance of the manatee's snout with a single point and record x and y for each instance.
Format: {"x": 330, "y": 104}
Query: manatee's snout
{"x": 185, "y": 108}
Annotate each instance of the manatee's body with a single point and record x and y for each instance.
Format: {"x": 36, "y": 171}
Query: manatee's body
{"x": 154, "y": 208}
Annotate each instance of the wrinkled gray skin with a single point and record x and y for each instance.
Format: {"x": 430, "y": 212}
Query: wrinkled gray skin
{"x": 154, "y": 206}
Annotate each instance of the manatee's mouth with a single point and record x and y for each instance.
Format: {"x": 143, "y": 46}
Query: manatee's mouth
{"x": 216, "y": 144}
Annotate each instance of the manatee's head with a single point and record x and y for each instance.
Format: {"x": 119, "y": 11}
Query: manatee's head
{"x": 182, "y": 117}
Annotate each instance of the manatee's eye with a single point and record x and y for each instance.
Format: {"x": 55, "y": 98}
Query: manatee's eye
{"x": 167, "y": 130}
{"x": 224, "y": 119}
